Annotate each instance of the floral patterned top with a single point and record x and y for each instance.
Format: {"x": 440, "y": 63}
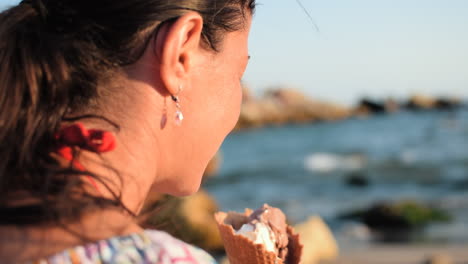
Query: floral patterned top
{"x": 148, "y": 247}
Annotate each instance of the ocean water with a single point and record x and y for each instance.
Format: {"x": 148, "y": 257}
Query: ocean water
{"x": 303, "y": 169}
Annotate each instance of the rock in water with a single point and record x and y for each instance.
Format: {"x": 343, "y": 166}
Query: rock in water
{"x": 286, "y": 105}
{"x": 438, "y": 259}
{"x": 189, "y": 219}
{"x": 357, "y": 180}
{"x": 319, "y": 243}
{"x": 403, "y": 215}
{"x": 421, "y": 102}
{"x": 367, "y": 106}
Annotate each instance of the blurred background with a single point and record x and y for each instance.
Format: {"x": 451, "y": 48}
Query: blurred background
{"x": 354, "y": 114}
{"x": 359, "y": 116}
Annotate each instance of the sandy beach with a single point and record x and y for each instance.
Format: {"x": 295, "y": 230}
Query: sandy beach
{"x": 402, "y": 254}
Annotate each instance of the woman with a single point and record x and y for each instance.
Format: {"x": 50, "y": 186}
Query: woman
{"x": 102, "y": 102}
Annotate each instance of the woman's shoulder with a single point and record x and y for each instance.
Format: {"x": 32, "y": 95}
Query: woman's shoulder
{"x": 174, "y": 250}
{"x": 150, "y": 246}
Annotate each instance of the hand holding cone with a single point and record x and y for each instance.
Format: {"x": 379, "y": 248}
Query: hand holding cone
{"x": 242, "y": 250}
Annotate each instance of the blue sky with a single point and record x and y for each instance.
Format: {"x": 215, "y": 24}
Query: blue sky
{"x": 375, "y": 48}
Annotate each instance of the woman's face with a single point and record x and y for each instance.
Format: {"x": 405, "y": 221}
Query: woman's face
{"x": 210, "y": 101}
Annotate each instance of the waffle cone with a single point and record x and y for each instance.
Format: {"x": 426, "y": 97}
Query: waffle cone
{"x": 241, "y": 250}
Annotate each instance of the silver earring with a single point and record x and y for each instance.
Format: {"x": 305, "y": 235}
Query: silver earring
{"x": 179, "y": 117}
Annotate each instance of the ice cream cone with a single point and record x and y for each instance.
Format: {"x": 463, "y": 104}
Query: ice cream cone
{"x": 241, "y": 250}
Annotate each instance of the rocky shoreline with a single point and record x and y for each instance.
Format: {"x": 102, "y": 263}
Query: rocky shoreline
{"x": 288, "y": 105}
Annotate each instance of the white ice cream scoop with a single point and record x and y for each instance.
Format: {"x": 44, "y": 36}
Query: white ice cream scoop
{"x": 259, "y": 233}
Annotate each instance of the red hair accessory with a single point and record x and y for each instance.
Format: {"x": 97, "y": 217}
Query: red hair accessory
{"x": 77, "y": 135}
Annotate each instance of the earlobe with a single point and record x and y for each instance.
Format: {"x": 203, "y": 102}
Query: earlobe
{"x": 179, "y": 45}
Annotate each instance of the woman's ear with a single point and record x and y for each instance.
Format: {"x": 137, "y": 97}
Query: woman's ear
{"x": 178, "y": 47}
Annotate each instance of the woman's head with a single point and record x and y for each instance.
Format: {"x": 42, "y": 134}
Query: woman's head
{"x": 119, "y": 61}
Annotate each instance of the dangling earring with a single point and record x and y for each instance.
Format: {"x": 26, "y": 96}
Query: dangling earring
{"x": 179, "y": 117}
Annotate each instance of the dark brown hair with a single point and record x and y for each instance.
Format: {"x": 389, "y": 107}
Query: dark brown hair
{"x": 55, "y": 56}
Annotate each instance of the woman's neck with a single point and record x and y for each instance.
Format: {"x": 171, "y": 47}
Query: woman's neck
{"x": 19, "y": 244}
